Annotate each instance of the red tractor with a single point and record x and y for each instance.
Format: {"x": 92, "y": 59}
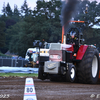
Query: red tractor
{"x": 72, "y": 61}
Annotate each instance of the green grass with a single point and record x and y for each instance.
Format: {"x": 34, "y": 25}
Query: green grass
{"x": 18, "y": 74}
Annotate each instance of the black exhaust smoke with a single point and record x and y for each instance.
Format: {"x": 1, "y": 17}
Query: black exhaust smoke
{"x": 68, "y": 8}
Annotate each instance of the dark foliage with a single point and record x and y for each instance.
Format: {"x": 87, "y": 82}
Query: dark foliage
{"x": 19, "y": 28}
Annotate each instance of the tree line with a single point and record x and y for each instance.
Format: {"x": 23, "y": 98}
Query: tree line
{"x": 19, "y": 28}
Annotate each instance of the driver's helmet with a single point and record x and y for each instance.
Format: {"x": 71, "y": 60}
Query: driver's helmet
{"x": 72, "y": 34}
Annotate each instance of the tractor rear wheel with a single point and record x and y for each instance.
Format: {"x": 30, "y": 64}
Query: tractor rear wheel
{"x": 88, "y": 68}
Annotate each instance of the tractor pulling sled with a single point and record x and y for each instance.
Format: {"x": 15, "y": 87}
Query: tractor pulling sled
{"x": 71, "y": 62}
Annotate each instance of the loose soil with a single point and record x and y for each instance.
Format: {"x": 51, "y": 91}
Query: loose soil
{"x": 12, "y": 88}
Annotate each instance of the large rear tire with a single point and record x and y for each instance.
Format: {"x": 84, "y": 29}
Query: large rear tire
{"x": 88, "y": 68}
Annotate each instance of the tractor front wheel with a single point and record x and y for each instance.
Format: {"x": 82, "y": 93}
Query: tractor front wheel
{"x": 41, "y": 73}
{"x": 71, "y": 73}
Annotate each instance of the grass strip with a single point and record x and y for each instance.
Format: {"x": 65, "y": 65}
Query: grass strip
{"x": 18, "y": 74}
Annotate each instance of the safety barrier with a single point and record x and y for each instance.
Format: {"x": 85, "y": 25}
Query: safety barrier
{"x": 12, "y": 62}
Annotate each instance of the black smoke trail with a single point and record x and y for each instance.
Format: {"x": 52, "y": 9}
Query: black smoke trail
{"x": 68, "y": 8}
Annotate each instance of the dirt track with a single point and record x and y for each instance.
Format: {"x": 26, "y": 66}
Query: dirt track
{"x": 12, "y": 88}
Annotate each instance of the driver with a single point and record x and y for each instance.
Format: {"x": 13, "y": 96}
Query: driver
{"x": 73, "y": 39}
{"x": 72, "y": 34}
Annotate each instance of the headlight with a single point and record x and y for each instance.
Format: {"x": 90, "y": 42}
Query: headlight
{"x": 51, "y": 56}
{"x": 55, "y": 56}
{"x": 59, "y": 57}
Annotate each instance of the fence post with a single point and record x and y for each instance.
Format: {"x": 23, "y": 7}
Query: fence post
{"x": 2, "y": 61}
{"x": 12, "y": 63}
{"x": 22, "y": 63}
